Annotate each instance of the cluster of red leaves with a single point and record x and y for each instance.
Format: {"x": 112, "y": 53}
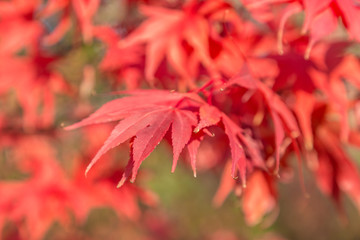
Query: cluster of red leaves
{"x": 228, "y": 74}
{"x": 46, "y": 192}
{"x": 242, "y": 85}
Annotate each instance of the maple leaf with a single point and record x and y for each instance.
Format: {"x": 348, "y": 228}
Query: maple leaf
{"x": 227, "y": 185}
{"x": 236, "y": 138}
{"x": 259, "y": 198}
{"x": 342, "y": 73}
{"x": 48, "y": 194}
{"x": 125, "y": 62}
{"x": 35, "y": 84}
{"x": 26, "y": 67}
{"x": 146, "y": 117}
{"x": 324, "y": 76}
{"x": 179, "y": 35}
{"x": 210, "y": 116}
{"x": 15, "y": 21}
{"x": 84, "y": 11}
{"x": 283, "y": 119}
{"x": 124, "y": 201}
{"x": 321, "y": 17}
{"x": 335, "y": 171}
{"x": 35, "y": 203}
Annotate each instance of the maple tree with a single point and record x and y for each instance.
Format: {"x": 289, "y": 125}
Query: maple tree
{"x": 240, "y": 88}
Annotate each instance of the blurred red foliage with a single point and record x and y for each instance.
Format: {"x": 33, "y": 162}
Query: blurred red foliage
{"x": 244, "y": 86}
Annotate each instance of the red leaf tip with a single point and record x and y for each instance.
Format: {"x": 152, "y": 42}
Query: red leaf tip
{"x": 196, "y": 130}
{"x": 173, "y": 167}
{"x": 121, "y": 182}
{"x": 87, "y": 170}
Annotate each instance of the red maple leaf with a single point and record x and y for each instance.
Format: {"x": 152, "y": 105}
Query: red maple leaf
{"x": 84, "y": 11}
{"x": 321, "y": 17}
{"x": 180, "y": 36}
{"x": 125, "y": 62}
{"x": 334, "y": 170}
{"x": 148, "y": 114}
{"x": 283, "y": 119}
{"x": 26, "y": 67}
{"x": 35, "y": 84}
{"x": 259, "y": 198}
{"x": 48, "y": 194}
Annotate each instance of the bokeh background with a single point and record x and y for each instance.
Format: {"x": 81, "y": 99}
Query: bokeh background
{"x": 176, "y": 205}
